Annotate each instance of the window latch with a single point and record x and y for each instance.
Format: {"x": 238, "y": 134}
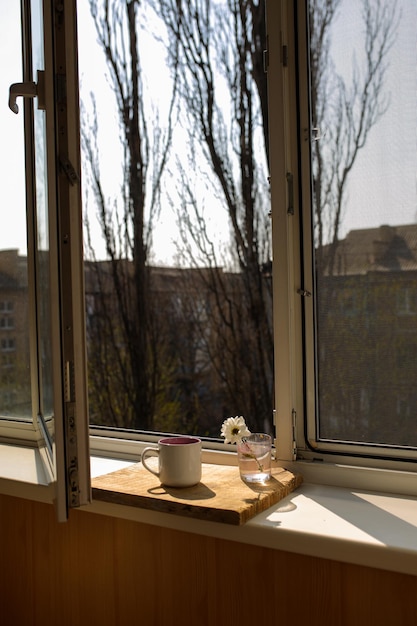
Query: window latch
{"x": 28, "y": 90}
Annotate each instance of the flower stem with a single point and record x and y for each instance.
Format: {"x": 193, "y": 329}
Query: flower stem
{"x": 251, "y": 455}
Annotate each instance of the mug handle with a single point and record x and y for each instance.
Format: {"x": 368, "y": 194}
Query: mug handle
{"x": 149, "y": 452}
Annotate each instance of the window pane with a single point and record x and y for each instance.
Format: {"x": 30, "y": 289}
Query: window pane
{"x": 178, "y": 260}
{"x": 41, "y": 225}
{"x": 15, "y": 390}
{"x": 363, "y": 62}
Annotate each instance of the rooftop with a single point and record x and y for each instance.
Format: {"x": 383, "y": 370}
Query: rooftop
{"x": 382, "y": 249}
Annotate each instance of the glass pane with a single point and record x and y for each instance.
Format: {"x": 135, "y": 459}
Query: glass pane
{"x": 15, "y": 389}
{"x": 364, "y": 160}
{"x": 41, "y": 225}
{"x": 178, "y": 254}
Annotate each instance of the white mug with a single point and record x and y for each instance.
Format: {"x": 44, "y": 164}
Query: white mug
{"x": 179, "y": 461}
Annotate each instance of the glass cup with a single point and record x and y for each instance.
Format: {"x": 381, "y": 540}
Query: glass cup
{"x": 254, "y": 458}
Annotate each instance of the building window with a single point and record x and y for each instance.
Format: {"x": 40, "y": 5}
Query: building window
{"x": 6, "y": 306}
{"x": 7, "y": 360}
{"x": 407, "y": 300}
{"x": 8, "y": 345}
{"x": 6, "y": 323}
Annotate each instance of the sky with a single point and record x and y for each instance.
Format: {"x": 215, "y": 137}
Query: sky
{"x": 93, "y": 70}
{"x": 382, "y": 188}
{"x": 93, "y": 73}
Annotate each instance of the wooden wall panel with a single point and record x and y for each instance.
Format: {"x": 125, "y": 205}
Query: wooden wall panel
{"x": 376, "y": 598}
{"x": 97, "y": 570}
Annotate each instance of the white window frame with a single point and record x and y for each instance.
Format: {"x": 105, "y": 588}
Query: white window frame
{"x": 63, "y": 448}
{"x": 293, "y": 282}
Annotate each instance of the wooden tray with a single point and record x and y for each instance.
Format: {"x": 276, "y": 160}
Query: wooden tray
{"x": 221, "y": 496}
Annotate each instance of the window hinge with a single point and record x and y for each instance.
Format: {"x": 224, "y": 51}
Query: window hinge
{"x": 294, "y": 436}
{"x": 290, "y": 188}
{"x": 304, "y": 292}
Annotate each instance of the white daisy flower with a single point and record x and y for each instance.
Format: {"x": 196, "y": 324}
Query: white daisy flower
{"x": 233, "y": 429}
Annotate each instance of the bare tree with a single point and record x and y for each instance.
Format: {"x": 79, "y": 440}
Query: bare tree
{"x": 218, "y": 50}
{"x": 216, "y": 56}
{"x": 124, "y": 367}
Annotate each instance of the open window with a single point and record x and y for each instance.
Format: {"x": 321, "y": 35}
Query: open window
{"x": 177, "y": 210}
{"x": 42, "y": 311}
{"x": 345, "y": 231}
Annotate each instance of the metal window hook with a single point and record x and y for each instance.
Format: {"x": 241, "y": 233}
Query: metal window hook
{"x": 28, "y": 90}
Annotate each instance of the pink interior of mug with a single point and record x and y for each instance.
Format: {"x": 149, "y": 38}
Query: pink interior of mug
{"x": 178, "y": 441}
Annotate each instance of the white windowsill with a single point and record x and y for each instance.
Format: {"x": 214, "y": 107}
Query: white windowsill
{"x": 357, "y": 526}
{"x": 22, "y": 473}
{"x": 363, "y": 527}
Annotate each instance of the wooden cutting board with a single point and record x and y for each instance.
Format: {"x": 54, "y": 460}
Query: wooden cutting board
{"x": 221, "y": 496}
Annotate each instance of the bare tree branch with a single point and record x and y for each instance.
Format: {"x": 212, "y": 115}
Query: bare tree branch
{"x": 218, "y": 48}
{"x": 127, "y": 222}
